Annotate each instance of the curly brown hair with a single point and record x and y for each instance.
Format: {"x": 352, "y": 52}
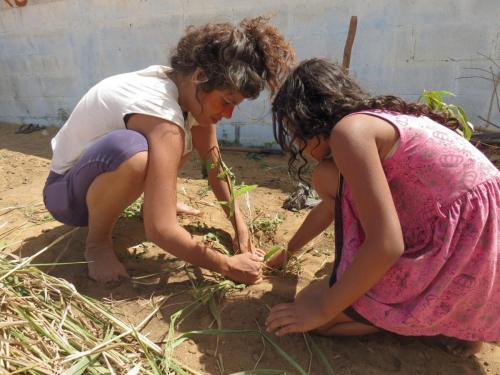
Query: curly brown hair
{"x": 246, "y": 58}
{"x": 317, "y": 95}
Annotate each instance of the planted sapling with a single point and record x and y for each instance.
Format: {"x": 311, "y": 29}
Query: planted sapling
{"x": 235, "y": 191}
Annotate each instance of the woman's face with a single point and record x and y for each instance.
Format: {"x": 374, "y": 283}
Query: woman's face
{"x": 215, "y": 105}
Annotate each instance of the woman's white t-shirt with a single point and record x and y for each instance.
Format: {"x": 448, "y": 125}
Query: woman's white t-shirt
{"x": 104, "y": 107}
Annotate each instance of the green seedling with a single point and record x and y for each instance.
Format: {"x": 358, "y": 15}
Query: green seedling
{"x": 267, "y": 225}
{"x": 434, "y": 100}
{"x": 274, "y": 250}
{"x": 140, "y": 251}
{"x": 212, "y": 240}
{"x": 38, "y": 216}
{"x": 265, "y": 228}
{"x": 292, "y": 264}
{"x": 203, "y": 191}
{"x": 134, "y": 210}
{"x": 235, "y": 191}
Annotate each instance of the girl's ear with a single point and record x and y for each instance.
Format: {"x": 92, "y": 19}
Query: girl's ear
{"x": 199, "y": 76}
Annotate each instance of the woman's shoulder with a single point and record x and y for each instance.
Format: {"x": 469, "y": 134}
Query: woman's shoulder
{"x": 159, "y": 71}
{"x": 151, "y": 84}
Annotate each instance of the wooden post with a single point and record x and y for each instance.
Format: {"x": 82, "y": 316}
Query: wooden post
{"x": 346, "y": 61}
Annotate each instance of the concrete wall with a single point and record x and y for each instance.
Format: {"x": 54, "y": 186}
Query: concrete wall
{"x": 52, "y": 51}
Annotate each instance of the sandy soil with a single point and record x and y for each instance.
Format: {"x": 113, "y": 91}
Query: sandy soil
{"x": 24, "y": 160}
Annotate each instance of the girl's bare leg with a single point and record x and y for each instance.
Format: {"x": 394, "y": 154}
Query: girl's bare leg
{"x": 460, "y": 348}
{"x": 108, "y": 195}
{"x": 466, "y": 348}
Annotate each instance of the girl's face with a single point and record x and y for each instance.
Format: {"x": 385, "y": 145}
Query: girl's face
{"x": 215, "y": 105}
{"x": 318, "y": 149}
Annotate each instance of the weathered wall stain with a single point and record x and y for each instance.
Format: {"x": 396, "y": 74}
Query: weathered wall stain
{"x": 19, "y": 3}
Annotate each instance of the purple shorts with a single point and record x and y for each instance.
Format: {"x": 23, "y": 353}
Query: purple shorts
{"x": 65, "y": 196}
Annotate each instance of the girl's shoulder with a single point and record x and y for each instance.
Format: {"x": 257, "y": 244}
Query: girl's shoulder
{"x": 383, "y": 114}
{"x": 370, "y": 126}
{"x": 371, "y": 123}
{"x": 401, "y": 123}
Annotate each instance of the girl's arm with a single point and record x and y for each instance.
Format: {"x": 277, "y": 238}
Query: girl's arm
{"x": 355, "y": 150}
{"x": 325, "y": 181}
{"x": 316, "y": 222}
{"x": 166, "y": 147}
{"x": 354, "y": 147}
{"x": 204, "y": 140}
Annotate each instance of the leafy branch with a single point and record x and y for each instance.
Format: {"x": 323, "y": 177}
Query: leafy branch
{"x": 434, "y": 100}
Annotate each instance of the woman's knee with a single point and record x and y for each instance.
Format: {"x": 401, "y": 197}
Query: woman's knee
{"x": 135, "y": 168}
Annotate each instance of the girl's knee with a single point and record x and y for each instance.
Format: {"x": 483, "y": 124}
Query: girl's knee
{"x": 325, "y": 177}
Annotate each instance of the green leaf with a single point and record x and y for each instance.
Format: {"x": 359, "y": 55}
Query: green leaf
{"x": 82, "y": 365}
{"x": 178, "y": 370}
{"x": 179, "y": 340}
{"x": 284, "y": 354}
{"x": 434, "y": 100}
{"x": 272, "y": 251}
{"x": 317, "y": 351}
{"x": 242, "y": 189}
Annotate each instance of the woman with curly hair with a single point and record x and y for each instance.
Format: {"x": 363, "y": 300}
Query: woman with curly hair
{"x": 131, "y": 133}
{"x": 416, "y": 211}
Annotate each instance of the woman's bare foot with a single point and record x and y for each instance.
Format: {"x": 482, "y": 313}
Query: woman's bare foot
{"x": 184, "y": 209}
{"x": 104, "y": 266}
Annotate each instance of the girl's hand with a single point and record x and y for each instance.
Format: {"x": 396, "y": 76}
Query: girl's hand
{"x": 298, "y": 316}
{"x": 278, "y": 260}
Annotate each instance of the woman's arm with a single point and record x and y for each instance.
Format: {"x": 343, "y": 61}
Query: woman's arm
{"x": 205, "y": 140}
{"x": 166, "y": 147}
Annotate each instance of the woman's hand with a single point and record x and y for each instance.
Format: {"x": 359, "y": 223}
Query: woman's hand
{"x": 245, "y": 267}
{"x": 278, "y": 260}
{"x": 303, "y": 315}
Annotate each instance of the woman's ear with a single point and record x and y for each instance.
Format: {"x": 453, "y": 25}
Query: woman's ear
{"x": 199, "y": 76}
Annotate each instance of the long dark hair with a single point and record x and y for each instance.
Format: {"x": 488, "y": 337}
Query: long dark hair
{"x": 246, "y": 58}
{"x": 317, "y": 95}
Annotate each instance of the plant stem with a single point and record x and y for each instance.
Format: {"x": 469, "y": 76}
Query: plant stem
{"x": 222, "y": 168}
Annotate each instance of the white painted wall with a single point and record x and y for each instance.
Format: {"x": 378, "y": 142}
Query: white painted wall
{"x": 52, "y": 51}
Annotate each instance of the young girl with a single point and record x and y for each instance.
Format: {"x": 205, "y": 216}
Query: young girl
{"x": 131, "y": 133}
{"x": 416, "y": 210}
